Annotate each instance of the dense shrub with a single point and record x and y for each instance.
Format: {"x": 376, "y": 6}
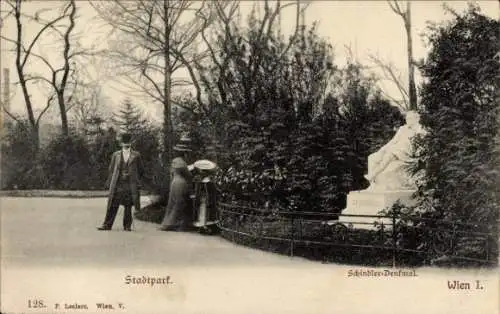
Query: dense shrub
{"x": 65, "y": 161}
{"x": 76, "y": 162}
{"x": 460, "y": 112}
{"x": 19, "y": 169}
{"x": 285, "y": 109}
{"x": 101, "y": 149}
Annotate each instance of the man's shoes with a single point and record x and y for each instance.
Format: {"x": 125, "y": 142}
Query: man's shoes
{"x": 127, "y": 229}
{"x": 103, "y": 228}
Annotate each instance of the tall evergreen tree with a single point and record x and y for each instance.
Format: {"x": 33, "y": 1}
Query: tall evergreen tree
{"x": 461, "y": 112}
{"x": 145, "y": 138}
{"x": 130, "y": 118}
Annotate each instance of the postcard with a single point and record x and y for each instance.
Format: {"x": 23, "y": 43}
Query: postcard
{"x": 272, "y": 156}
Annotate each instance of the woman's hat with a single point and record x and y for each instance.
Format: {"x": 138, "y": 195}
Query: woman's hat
{"x": 205, "y": 164}
{"x": 182, "y": 148}
{"x": 178, "y": 163}
{"x": 184, "y": 144}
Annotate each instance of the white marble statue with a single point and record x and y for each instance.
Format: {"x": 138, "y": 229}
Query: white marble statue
{"x": 387, "y": 166}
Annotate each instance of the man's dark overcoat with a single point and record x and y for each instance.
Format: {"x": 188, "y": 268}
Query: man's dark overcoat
{"x": 136, "y": 170}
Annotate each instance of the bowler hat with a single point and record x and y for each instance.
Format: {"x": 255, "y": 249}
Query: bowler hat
{"x": 126, "y": 138}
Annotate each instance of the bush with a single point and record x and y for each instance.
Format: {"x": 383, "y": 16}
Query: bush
{"x": 77, "y": 162}
{"x": 19, "y": 167}
{"x": 460, "y": 111}
{"x": 67, "y": 163}
{"x": 101, "y": 150}
{"x": 276, "y": 119}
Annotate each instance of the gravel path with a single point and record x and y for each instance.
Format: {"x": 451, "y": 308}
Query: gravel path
{"x": 52, "y": 252}
{"x": 57, "y": 232}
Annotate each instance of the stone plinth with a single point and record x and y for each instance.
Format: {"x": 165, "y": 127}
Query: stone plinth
{"x": 368, "y": 202}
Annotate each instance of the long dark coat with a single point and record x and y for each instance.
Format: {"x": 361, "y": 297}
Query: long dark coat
{"x": 178, "y": 213}
{"x": 136, "y": 170}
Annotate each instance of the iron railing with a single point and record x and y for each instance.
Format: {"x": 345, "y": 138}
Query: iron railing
{"x": 396, "y": 237}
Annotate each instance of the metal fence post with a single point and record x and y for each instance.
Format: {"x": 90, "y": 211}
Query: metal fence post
{"x": 293, "y": 236}
{"x": 394, "y": 239}
{"x": 261, "y": 231}
{"x": 236, "y": 226}
{"x": 487, "y": 246}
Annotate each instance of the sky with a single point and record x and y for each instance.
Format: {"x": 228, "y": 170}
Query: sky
{"x": 368, "y": 27}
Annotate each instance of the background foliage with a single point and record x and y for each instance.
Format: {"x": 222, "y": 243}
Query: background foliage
{"x": 296, "y": 127}
{"x": 460, "y": 110}
{"x": 460, "y": 152}
{"x": 79, "y": 161}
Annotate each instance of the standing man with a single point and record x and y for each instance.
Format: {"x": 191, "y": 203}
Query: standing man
{"x": 125, "y": 171}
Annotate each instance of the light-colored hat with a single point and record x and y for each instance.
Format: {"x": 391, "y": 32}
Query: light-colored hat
{"x": 205, "y": 164}
{"x": 178, "y": 163}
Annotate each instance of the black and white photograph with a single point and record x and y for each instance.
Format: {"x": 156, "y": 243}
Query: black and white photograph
{"x": 249, "y": 156}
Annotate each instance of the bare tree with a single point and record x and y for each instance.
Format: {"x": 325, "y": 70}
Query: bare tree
{"x": 155, "y": 40}
{"x": 224, "y": 17}
{"x": 390, "y": 73}
{"x": 405, "y": 14}
{"x": 61, "y": 78}
{"x": 231, "y": 74}
{"x": 87, "y": 105}
{"x": 22, "y": 55}
{"x": 6, "y": 99}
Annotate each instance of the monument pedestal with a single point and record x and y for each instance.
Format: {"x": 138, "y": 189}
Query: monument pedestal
{"x": 371, "y": 202}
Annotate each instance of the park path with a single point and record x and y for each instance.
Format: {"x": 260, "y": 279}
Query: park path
{"x": 59, "y": 232}
{"x": 51, "y": 251}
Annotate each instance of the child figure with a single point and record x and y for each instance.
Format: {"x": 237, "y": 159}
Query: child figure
{"x": 206, "y": 217}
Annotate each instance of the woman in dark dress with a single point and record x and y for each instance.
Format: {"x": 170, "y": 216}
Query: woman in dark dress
{"x": 178, "y": 214}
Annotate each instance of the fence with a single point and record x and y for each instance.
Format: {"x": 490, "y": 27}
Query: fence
{"x": 395, "y": 239}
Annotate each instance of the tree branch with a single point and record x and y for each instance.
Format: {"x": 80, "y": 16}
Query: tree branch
{"x": 11, "y": 41}
{"x": 47, "y": 106}
{"x": 394, "y": 4}
{"x": 12, "y": 116}
{"x": 38, "y": 35}
{"x": 391, "y": 75}
{"x": 44, "y": 60}
{"x": 192, "y": 74}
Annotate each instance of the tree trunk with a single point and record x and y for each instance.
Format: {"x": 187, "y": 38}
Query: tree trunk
{"x": 22, "y": 79}
{"x": 167, "y": 123}
{"x": 411, "y": 69}
{"x": 64, "y": 116}
{"x": 35, "y": 136}
{"x": 66, "y": 70}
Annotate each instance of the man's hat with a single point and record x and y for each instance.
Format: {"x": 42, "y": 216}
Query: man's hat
{"x": 126, "y": 138}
